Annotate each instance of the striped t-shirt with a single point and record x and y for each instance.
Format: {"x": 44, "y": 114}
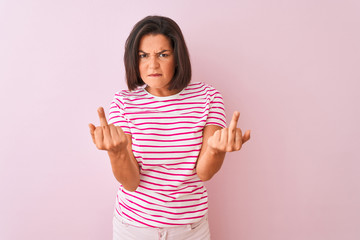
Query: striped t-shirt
{"x": 166, "y": 141}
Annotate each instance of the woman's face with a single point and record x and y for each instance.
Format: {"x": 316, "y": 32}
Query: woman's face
{"x": 156, "y": 64}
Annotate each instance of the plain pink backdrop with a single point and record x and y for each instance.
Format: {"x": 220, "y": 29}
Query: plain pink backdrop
{"x": 290, "y": 67}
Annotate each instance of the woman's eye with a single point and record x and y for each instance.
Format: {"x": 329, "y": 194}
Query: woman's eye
{"x": 142, "y": 56}
{"x": 163, "y": 55}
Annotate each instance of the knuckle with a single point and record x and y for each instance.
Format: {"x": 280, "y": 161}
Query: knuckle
{"x": 117, "y": 143}
{"x": 99, "y": 146}
{"x": 107, "y": 144}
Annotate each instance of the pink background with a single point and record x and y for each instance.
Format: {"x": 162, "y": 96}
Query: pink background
{"x": 290, "y": 67}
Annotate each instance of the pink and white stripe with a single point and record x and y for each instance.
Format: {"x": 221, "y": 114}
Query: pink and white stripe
{"x": 167, "y": 137}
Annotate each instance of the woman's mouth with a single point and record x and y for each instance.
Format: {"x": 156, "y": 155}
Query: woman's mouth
{"x": 155, "y": 75}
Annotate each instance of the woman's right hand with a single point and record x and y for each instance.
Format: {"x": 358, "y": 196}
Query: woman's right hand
{"x": 118, "y": 144}
{"x": 108, "y": 137}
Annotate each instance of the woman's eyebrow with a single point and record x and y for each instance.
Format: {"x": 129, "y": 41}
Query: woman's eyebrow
{"x": 141, "y": 51}
{"x": 163, "y": 51}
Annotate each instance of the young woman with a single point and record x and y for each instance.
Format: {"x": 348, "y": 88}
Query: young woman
{"x": 165, "y": 137}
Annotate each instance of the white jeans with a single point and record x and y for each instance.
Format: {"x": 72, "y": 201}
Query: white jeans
{"x": 196, "y": 231}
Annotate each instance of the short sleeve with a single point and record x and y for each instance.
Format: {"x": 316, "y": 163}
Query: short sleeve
{"x": 217, "y": 111}
{"x": 117, "y": 115}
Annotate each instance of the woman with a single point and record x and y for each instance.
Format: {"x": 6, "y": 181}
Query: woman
{"x": 165, "y": 137}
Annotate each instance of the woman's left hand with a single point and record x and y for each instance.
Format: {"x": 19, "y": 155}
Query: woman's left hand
{"x": 229, "y": 139}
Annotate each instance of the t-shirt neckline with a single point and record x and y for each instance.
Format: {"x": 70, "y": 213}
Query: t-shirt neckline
{"x": 165, "y": 97}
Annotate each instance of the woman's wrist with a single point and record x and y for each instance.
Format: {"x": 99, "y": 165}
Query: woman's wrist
{"x": 118, "y": 156}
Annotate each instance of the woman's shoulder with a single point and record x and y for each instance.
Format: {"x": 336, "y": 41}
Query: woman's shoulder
{"x": 127, "y": 94}
{"x": 202, "y": 87}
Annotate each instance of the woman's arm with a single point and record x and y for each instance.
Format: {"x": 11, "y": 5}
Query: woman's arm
{"x": 209, "y": 161}
{"x": 125, "y": 167}
{"x": 216, "y": 142}
{"x": 118, "y": 145}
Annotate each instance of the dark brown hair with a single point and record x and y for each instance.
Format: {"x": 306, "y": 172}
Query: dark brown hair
{"x": 169, "y": 28}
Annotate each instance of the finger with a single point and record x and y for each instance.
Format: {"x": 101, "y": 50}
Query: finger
{"x": 114, "y": 133}
{"x": 108, "y": 141}
{"x": 102, "y": 117}
{"x": 119, "y": 137}
{"x": 119, "y": 130}
{"x": 224, "y": 136}
{"x": 246, "y": 136}
{"x": 121, "y": 133}
{"x": 217, "y": 135}
{"x": 232, "y": 128}
{"x": 234, "y": 121}
{"x": 99, "y": 138}
{"x": 238, "y": 140}
{"x": 215, "y": 138}
{"x": 92, "y": 130}
{"x": 224, "y": 140}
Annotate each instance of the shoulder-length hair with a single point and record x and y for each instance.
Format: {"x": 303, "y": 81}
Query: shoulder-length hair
{"x": 169, "y": 28}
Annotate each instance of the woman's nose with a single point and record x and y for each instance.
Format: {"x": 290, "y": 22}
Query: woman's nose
{"x": 153, "y": 62}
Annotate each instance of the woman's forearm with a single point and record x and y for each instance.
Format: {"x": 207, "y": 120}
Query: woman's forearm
{"x": 112, "y": 139}
{"x": 209, "y": 163}
{"x": 125, "y": 169}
